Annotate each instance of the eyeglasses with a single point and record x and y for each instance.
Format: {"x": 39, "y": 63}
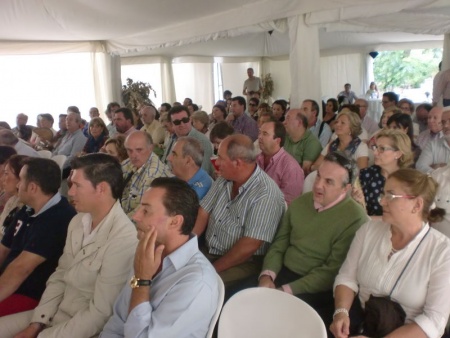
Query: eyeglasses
{"x": 252, "y": 104}
{"x": 183, "y": 120}
{"x": 382, "y": 149}
{"x": 389, "y": 197}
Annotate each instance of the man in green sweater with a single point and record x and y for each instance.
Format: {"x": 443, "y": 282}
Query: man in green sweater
{"x": 314, "y": 236}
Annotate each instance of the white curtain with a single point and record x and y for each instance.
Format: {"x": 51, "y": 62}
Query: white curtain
{"x": 193, "y": 78}
{"x": 304, "y": 61}
{"x": 234, "y": 73}
{"x": 339, "y": 70}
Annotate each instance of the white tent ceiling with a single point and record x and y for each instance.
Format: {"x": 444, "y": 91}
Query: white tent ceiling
{"x": 220, "y": 28}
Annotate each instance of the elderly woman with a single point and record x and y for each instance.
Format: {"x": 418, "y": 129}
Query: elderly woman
{"x": 401, "y": 257}
{"x": 10, "y": 179}
{"x": 98, "y": 134}
{"x": 347, "y": 129}
{"x": 392, "y": 151}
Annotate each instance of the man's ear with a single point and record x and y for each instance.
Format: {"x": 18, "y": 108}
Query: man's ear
{"x": 102, "y": 187}
{"x": 176, "y": 222}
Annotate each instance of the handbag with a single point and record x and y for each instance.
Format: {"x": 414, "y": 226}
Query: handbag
{"x": 382, "y": 315}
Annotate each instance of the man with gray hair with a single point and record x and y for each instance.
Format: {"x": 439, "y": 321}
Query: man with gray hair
{"x": 139, "y": 170}
{"x": 186, "y": 160}
{"x": 7, "y": 138}
{"x": 240, "y": 213}
{"x": 21, "y": 120}
{"x": 73, "y": 141}
{"x": 151, "y": 125}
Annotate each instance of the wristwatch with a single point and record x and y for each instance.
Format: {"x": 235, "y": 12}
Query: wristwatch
{"x": 137, "y": 282}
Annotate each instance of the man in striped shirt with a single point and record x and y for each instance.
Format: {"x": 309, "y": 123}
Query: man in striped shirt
{"x": 240, "y": 213}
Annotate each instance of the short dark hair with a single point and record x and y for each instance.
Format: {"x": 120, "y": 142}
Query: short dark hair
{"x": 314, "y": 106}
{"x": 194, "y": 106}
{"x": 282, "y": 104}
{"x": 255, "y": 100}
{"x": 74, "y": 109}
{"x": 221, "y": 130}
{"x": 25, "y": 132}
{"x": 167, "y": 105}
{"x": 110, "y": 105}
{"x": 240, "y": 100}
{"x": 345, "y": 162}
{"x": 5, "y": 153}
{"x": 178, "y": 109}
{"x": 227, "y": 92}
{"x": 404, "y": 121}
{"x": 179, "y": 199}
{"x": 279, "y": 131}
{"x": 127, "y": 114}
{"x": 45, "y": 173}
{"x": 99, "y": 167}
{"x": 391, "y": 96}
{"x": 48, "y": 117}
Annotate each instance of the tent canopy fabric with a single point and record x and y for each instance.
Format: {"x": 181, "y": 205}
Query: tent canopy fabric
{"x": 215, "y": 28}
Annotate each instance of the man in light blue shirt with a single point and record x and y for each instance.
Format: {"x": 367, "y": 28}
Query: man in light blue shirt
{"x": 186, "y": 159}
{"x": 174, "y": 291}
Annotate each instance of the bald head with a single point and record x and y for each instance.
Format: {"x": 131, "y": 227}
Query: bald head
{"x": 147, "y": 114}
{"x": 139, "y": 146}
{"x": 240, "y": 146}
{"x": 435, "y": 119}
{"x": 7, "y": 138}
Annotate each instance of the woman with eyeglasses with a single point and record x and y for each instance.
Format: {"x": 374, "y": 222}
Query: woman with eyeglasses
{"x": 392, "y": 151}
{"x": 404, "y": 123}
{"x": 400, "y": 257}
{"x": 10, "y": 179}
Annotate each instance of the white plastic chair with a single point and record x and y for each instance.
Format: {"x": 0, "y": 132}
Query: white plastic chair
{"x": 45, "y": 153}
{"x": 60, "y": 160}
{"x": 219, "y": 308}
{"x": 268, "y": 313}
{"x": 309, "y": 182}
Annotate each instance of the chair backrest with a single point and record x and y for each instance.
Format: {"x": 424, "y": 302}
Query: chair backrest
{"x": 264, "y": 312}
{"x": 309, "y": 182}
{"x": 60, "y": 159}
{"x": 212, "y": 325}
{"x": 45, "y": 153}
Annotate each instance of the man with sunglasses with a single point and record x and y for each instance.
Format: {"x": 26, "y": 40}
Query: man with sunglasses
{"x": 314, "y": 237}
{"x": 180, "y": 118}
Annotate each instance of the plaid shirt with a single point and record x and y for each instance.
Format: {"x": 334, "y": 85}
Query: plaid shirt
{"x": 140, "y": 181}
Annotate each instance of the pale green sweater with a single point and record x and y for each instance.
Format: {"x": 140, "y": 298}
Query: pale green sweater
{"x": 314, "y": 244}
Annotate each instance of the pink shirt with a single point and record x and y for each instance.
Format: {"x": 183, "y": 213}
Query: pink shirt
{"x": 286, "y": 172}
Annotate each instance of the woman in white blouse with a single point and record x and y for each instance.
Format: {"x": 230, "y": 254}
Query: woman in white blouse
{"x": 380, "y": 251}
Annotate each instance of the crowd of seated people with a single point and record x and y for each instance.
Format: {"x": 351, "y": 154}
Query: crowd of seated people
{"x": 260, "y": 195}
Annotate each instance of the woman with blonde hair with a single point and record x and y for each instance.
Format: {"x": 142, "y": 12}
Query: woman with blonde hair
{"x": 399, "y": 262}
{"x": 347, "y": 128}
{"x": 392, "y": 151}
{"x": 200, "y": 121}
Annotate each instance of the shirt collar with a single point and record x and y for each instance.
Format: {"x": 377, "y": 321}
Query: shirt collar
{"x": 319, "y": 207}
{"x": 51, "y": 202}
{"x": 183, "y": 254}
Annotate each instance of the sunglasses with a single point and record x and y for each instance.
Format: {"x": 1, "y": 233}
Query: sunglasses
{"x": 183, "y": 120}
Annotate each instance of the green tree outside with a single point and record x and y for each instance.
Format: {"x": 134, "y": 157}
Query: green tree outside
{"x": 405, "y": 68}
